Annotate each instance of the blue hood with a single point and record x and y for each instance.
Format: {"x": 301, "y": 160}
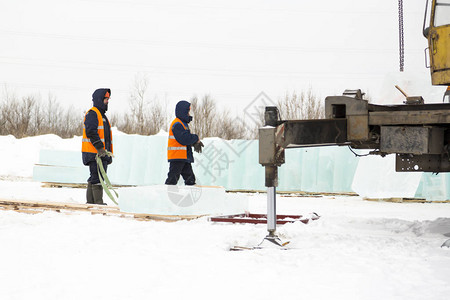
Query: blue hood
{"x": 182, "y": 111}
{"x": 97, "y": 98}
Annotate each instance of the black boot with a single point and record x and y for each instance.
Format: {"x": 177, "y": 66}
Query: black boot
{"x": 89, "y": 194}
{"x": 97, "y": 191}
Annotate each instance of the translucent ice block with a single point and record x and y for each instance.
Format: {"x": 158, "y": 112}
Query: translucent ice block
{"x": 375, "y": 177}
{"x": 434, "y": 187}
{"x": 181, "y": 200}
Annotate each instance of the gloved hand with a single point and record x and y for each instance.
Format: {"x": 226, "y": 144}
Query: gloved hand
{"x": 102, "y": 152}
{"x": 198, "y": 146}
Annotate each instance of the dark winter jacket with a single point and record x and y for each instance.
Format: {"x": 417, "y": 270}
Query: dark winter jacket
{"x": 184, "y": 136}
{"x": 91, "y": 124}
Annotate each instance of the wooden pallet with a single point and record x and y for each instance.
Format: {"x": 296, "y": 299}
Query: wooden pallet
{"x": 262, "y": 218}
{"x": 72, "y": 185}
{"x": 405, "y": 200}
{"x": 295, "y": 193}
{"x": 35, "y": 207}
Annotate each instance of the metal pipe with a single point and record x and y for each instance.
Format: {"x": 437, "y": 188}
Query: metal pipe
{"x": 271, "y": 210}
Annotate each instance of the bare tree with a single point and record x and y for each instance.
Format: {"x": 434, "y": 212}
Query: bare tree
{"x": 231, "y": 127}
{"x": 253, "y": 131}
{"x": 52, "y": 113}
{"x": 28, "y": 117}
{"x": 18, "y": 115}
{"x": 147, "y": 117}
{"x": 205, "y": 112}
{"x": 209, "y": 122}
{"x": 292, "y": 106}
{"x": 138, "y": 103}
{"x": 301, "y": 106}
{"x": 70, "y": 124}
{"x": 157, "y": 116}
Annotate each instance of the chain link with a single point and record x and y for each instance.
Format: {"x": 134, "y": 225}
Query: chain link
{"x": 400, "y": 35}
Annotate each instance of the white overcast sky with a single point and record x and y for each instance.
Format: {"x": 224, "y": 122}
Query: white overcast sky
{"x": 230, "y": 49}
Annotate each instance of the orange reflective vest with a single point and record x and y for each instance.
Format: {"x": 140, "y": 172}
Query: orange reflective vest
{"x": 175, "y": 150}
{"x": 86, "y": 145}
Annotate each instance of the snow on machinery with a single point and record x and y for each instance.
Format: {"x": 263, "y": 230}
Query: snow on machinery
{"x": 418, "y": 133}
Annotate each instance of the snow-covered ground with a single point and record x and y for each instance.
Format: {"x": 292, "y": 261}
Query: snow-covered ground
{"x": 357, "y": 249}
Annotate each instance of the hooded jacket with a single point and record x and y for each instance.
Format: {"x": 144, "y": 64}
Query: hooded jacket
{"x": 182, "y": 135}
{"x": 91, "y": 124}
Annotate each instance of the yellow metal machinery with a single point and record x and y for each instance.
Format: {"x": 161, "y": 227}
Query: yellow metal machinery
{"x": 437, "y": 31}
{"x": 417, "y": 133}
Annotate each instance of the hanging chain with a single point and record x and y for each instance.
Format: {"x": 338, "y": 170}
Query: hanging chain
{"x": 400, "y": 35}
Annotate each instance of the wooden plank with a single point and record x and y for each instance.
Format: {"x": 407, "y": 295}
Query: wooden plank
{"x": 167, "y": 218}
{"x": 405, "y": 200}
{"x": 210, "y": 186}
{"x": 61, "y": 185}
{"x": 296, "y": 193}
{"x": 59, "y": 205}
{"x": 22, "y": 209}
{"x": 28, "y": 211}
{"x": 74, "y": 185}
{"x": 33, "y": 207}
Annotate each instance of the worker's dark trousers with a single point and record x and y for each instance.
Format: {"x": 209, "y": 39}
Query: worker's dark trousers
{"x": 182, "y": 168}
{"x": 94, "y": 179}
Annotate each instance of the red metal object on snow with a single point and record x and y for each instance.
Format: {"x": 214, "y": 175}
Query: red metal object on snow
{"x": 262, "y": 218}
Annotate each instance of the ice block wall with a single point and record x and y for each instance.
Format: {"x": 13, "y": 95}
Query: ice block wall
{"x": 142, "y": 160}
{"x": 233, "y": 164}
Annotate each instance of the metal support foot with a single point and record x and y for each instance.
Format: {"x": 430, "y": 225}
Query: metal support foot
{"x": 271, "y": 239}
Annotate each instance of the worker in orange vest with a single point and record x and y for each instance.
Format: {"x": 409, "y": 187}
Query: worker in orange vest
{"x": 179, "y": 148}
{"x": 97, "y": 140}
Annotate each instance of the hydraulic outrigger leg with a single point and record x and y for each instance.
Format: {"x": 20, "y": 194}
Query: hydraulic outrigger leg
{"x": 268, "y": 151}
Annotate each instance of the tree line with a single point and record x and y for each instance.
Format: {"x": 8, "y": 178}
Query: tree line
{"x": 32, "y": 115}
